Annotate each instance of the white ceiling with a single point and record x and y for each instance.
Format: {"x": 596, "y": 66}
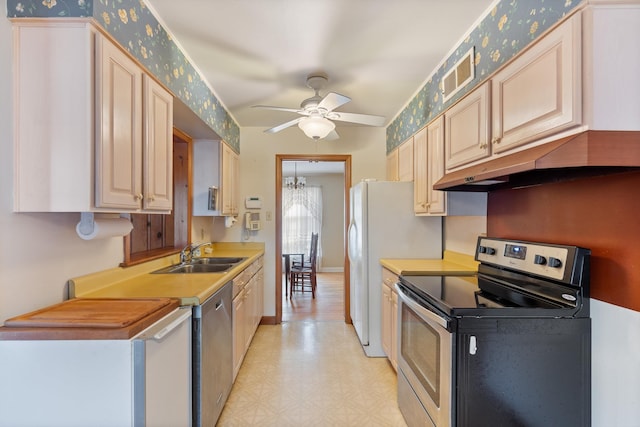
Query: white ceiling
{"x": 377, "y": 52}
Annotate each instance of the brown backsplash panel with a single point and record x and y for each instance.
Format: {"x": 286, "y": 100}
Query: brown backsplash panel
{"x": 601, "y": 213}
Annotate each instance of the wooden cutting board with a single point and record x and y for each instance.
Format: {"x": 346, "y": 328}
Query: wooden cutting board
{"x": 81, "y": 318}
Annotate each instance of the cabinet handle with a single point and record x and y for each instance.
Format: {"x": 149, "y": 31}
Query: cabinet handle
{"x": 137, "y": 197}
{"x": 496, "y": 140}
{"x": 152, "y": 198}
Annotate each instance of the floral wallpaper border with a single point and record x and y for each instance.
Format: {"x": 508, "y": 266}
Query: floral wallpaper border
{"x": 133, "y": 25}
{"x": 508, "y": 28}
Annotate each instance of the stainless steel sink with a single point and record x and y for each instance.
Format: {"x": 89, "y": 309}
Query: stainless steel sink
{"x": 195, "y": 268}
{"x": 202, "y": 265}
{"x": 216, "y": 260}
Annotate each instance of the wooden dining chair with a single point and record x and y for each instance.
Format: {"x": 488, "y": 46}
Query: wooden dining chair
{"x": 303, "y": 275}
{"x": 299, "y": 260}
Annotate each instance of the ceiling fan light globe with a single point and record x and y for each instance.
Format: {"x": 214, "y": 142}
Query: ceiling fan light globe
{"x": 316, "y": 127}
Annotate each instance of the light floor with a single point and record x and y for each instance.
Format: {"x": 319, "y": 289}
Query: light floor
{"x": 311, "y": 372}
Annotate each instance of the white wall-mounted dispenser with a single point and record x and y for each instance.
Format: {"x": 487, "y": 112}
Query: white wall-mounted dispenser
{"x": 90, "y": 228}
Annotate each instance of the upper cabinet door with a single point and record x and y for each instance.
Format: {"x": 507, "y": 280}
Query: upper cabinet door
{"x": 420, "y": 170}
{"x": 539, "y": 93}
{"x": 435, "y": 154}
{"x": 405, "y": 161}
{"x": 230, "y": 178}
{"x": 119, "y": 129}
{"x": 158, "y": 146}
{"x": 392, "y": 166}
{"x": 467, "y": 129}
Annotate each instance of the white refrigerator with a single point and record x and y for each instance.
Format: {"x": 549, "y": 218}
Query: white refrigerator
{"x": 383, "y": 225}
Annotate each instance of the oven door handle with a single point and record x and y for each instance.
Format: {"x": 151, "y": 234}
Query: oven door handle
{"x": 426, "y": 314}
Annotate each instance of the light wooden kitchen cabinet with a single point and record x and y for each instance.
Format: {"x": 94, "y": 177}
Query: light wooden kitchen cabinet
{"x": 405, "y": 160}
{"x": 248, "y": 299}
{"x": 102, "y": 138}
{"x": 215, "y": 165}
{"x": 400, "y": 162}
{"x": 467, "y": 128}
{"x": 158, "y": 145}
{"x": 230, "y": 181}
{"x": 428, "y": 147}
{"x": 390, "y": 316}
{"x": 539, "y": 93}
{"x": 392, "y": 166}
{"x": 429, "y": 168}
{"x": 420, "y": 172}
{"x": 134, "y": 152}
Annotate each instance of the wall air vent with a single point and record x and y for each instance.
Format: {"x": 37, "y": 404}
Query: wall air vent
{"x": 458, "y": 76}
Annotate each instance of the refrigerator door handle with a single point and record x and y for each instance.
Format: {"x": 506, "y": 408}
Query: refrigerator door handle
{"x": 350, "y": 231}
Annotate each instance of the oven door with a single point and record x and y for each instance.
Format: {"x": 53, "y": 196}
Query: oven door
{"x": 424, "y": 363}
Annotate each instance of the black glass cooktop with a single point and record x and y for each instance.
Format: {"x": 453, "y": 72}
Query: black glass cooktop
{"x": 459, "y": 296}
{"x": 445, "y": 292}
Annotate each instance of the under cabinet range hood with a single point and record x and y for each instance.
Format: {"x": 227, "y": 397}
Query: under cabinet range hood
{"x": 589, "y": 153}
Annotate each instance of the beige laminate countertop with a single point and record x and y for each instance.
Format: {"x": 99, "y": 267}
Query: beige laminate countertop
{"x": 452, "y": 263}
{"x": 139, "y": 282}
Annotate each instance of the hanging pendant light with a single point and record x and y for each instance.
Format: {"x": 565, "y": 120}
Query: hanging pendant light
{"x": 296, "y": 182}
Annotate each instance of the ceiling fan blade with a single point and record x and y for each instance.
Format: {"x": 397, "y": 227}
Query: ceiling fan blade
{"x": 333, "y": 100}
{"x": 364, "y": 119}
{"x": 331, "y": 136}
{"x": 283, "y": 125}
{"x": 269, "y": 107}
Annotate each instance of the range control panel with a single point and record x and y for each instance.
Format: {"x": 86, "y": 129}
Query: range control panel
{"x": 546, "y": 260}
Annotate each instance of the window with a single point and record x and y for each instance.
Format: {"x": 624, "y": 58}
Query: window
{"x": 301, "y": 216}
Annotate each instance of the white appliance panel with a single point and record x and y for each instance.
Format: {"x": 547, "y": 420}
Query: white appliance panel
{"x": 142, "y": 381}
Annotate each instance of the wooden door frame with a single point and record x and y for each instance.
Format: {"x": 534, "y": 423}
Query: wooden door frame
{"x": 346, "y": 159}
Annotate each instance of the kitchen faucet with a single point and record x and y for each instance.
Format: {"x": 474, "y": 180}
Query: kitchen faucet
{"x": 186, "y": 254}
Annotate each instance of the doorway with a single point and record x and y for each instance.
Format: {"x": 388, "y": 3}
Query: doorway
{"x": 280, "y": 158}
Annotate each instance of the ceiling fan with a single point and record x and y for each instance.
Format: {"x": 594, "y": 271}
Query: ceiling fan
{"x": 318, "y": 112}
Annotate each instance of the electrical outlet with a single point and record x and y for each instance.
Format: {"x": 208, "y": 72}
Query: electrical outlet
{"x": 268, "y": 215}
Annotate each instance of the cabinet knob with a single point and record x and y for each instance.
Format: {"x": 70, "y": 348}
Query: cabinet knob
{"x": 496, "y": 140}
{"x": 152, "y": 198}
{"x": 137, "y": 197}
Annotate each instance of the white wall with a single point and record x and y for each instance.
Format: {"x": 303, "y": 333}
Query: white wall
{"x": 367, "y": 147}
{"x": 615, "y": 359}
{"x": 461, "y": 233}
{"x": 38, "y": 252}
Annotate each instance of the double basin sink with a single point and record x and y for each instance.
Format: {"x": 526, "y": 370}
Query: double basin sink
{"x": 202, "y": 265}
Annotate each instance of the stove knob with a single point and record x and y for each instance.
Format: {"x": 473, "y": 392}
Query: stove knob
{"x": 491, "y": 251}
{"x": 540, "y": 260}
{"x": 482, "y": 249}
{"x": 555, "y": 262}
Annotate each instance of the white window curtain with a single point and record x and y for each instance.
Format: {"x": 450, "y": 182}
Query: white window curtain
{"x": 301, "y": 216}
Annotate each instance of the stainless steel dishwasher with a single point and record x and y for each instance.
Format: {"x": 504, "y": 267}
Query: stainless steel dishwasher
{"x": 212, "y": 356}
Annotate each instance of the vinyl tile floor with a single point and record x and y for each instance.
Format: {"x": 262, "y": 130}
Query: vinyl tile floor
{"x": 311, "y": 373}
